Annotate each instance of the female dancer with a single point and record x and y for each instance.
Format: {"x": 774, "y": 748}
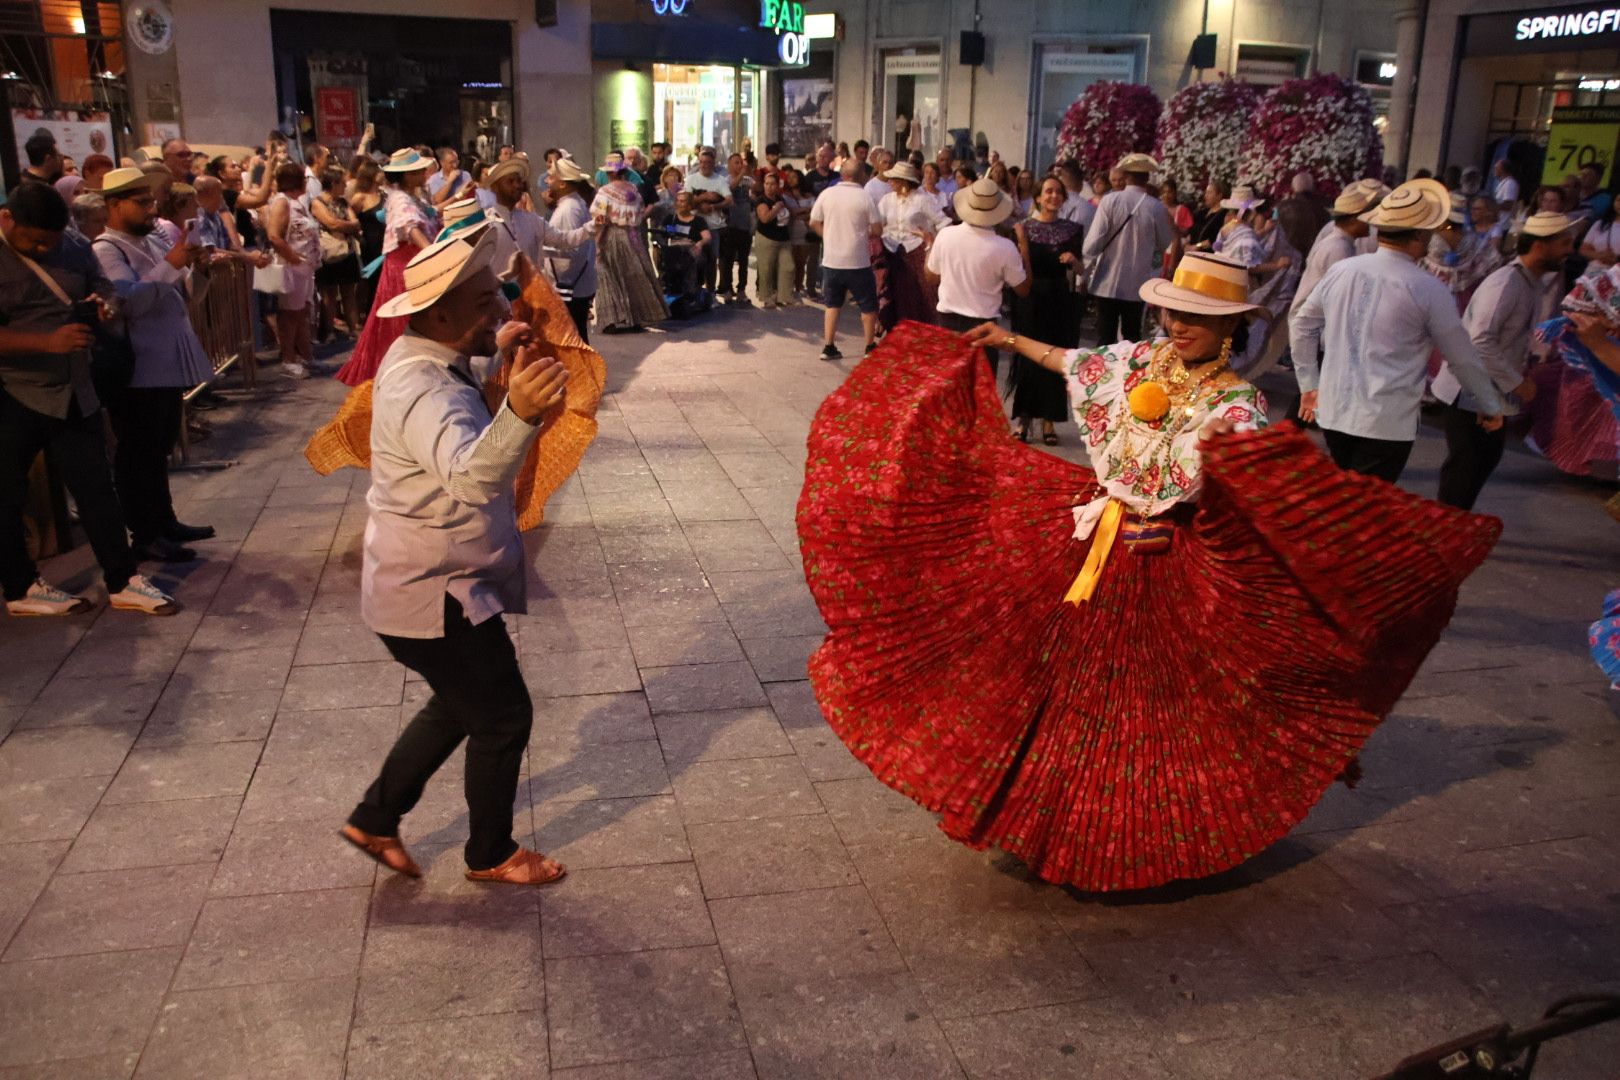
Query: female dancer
{"x": 1049, "y": 313}
{"x": 1243, "y": 617}
{"x": 627, "y": 295}
{"x": 411, "y": 224}
{"x": 910, "y": 220}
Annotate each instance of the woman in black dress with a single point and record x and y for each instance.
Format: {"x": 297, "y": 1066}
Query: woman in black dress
{"x": 366, "y": 200}
{"x": 1210, "y": 217}
{"x": 1051, "y": 312}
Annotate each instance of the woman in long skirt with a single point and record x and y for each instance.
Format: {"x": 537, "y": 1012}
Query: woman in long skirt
{"x": 1051, "y": 312}
{"x": 411, "y": 226}
{"x": 910, "y": 220}
{"x": 627, "y": 294}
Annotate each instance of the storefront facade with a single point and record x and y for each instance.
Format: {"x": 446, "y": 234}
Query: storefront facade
{"x": 900, "y": 76}
{"x": 1496, "y": 74}
{"x": 230, "y": 70}
{"x": 693, "y": 73}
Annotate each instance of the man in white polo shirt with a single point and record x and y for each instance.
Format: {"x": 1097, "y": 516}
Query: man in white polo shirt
{"x": 846, "y": 221}
{"x": 971, "y": 264}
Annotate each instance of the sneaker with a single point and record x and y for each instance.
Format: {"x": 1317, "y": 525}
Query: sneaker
{"x": 141, "y": 595}
{"x": 830, "y": 352}
{"x": 294, "y": 371}
{"x": 43, "y": 599}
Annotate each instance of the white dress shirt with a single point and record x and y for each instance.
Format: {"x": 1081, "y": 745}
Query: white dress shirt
{"x": 1498, "y": 320}
{"x": 1506, "y": 190}
{"x": 876, "y": 188}
{"x": 1362, "y": 339}
{"x": 523, "y": 230}
{"x": 1126, "y": 243}
{"x": 442, "y": 517}
{"x": 576, "y": 269}
{"x": 974, "y": 264}
{"x": 1332, "y": 246}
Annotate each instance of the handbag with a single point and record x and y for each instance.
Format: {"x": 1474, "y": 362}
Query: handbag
{"x": 334, "y": 247}
{"x": 270, "y": 279}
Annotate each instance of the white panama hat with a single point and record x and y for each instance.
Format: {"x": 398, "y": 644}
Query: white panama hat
{"x": 440, "y": 267}
{"x": 1359, "y": 197}
{"x": 982, "y": 203}
{"x": 1203, "y": 285}
{"x": 406, "y": 160}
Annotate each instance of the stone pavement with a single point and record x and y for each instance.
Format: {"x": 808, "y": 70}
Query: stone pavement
{"x": 745, "y": 900}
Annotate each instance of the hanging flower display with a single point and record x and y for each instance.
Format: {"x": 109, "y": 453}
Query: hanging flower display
{"x": 1106, "y": 122}
{"x": 1202, "y": 132}
{"x": 1323, "y": 124}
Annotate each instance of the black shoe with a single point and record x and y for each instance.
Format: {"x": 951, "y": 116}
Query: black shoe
{"x": 163, "y": 550}
{"x": 870, "y": 345}
{"x": 830, "y": 352}
{"x": 181, "y": 533}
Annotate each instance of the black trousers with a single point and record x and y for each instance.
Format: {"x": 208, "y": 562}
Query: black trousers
{"x": 961, "y": 324}
{"x": 579, "y": 308}
{"x": 479, "y": 696}
{"x": 1383, "y": 458}
{"x": 735, "y": 246}
{"x": 79, "y": 453}
{"x": 1472, "y": 454}
{"x": 147, "y": 423}
{"x": 1119, "y": 320}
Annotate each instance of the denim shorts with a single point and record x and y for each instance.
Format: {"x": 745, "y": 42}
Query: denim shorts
{"x": 860, "y": 285}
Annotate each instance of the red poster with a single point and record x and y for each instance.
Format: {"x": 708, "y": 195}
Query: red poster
{"x": 337, "y": 114}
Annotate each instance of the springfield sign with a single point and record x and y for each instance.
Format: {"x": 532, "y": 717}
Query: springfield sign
{"x": 1567, "y": 24}
{"x": 786, "y": 19}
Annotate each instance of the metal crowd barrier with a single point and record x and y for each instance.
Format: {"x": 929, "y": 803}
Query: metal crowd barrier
{"x": 222, "y": 315}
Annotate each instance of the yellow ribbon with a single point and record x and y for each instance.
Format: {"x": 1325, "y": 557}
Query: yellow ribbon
{"x": 1102, "y": 542}
{"x": 1211, "y": 286}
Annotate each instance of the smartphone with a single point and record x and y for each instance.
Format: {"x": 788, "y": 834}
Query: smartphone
{"x": 87, "y": 313}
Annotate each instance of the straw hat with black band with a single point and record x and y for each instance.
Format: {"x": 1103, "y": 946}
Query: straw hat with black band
{"x": 567, "y": 170}
{"x": 906, "y": 171}
{"x": 982, "y": 203}
{"x": 512, "y": 166}
{"x": 1359, "y": 197}
{"x": 1546, "y": 223}
{"x": 1415, "y": 206}
{"x": 440, "y": 267}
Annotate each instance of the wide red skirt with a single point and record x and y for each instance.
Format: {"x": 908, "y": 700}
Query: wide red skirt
{"x": 379, "y": 333}
{"x": 1573, "y": 426}
{"x": 1186, "y": 717}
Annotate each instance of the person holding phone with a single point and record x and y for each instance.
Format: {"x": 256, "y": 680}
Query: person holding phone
{"x": 53, "y": 296}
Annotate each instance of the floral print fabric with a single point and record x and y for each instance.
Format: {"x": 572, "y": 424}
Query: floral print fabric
{"x": 1149, "y": 466}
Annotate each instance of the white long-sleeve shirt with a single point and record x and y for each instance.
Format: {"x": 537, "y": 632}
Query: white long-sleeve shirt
{"x": 1362, "y": 339}
{"x": 1498, "y": 320}
{"x": 1126, "y": 243}
{"x": 1332, "y": 246}
{"x": 1078, "y": 209}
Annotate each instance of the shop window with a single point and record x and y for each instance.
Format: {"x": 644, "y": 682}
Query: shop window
{"x": 807, "y": 105}
{"x": 704, "y": 105}
{"x": 1062, "y": 72}
{"x": 911, "y": 118}
{"x": 1269, "y": 65}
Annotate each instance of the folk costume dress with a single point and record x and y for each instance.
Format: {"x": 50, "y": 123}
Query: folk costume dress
{"x": 402, "y": 213}
{"x": 1124, "y": 675}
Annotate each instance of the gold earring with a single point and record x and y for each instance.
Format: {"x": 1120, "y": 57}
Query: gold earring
{"x": 1226, "y": 351}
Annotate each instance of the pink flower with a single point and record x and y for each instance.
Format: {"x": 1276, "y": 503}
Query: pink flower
{"x": 1091, "y": 371}
{"x": 1097, "y": 417}
{"x": 1108, "y": 121}
{"x": 1134, "y": 378}
{"x": 1130, "y": 472}
{"x": 1178, "y": 476}
{"x": 1239, "y": 415}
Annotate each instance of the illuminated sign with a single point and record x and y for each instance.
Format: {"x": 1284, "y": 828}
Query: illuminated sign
{"x": 670, "y": 7}
{"x": 786, "y": 19}
{"x": 1567, "y": 24}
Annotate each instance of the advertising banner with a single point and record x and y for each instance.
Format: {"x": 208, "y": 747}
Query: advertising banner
{"x": 78, "y": 134}
{"x": 807, "y": 115}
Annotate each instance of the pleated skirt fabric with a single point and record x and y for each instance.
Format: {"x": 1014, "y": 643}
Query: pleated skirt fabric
{"x": 1189, "y": 715}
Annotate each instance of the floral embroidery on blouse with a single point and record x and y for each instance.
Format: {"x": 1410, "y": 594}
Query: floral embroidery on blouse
{"x": 617, "y": 204}
{"x": 1148, "y": 465}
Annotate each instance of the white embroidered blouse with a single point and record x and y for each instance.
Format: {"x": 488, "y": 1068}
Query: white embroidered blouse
{"x": 1150, "y": 466}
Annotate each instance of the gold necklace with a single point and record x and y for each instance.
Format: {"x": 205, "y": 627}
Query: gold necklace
{"x": 1166, "y": 386}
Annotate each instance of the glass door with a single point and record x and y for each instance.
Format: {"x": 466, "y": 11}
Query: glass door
{"x": 1062, "y": 73}
{"x": 911, "y": 118}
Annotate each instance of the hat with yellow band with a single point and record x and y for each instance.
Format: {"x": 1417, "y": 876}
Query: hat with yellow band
{"x": 1203, "y": 285}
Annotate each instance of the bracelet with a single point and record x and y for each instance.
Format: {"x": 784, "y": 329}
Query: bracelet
{"x": 1010, "y": 341}
{"x": 1048, "y": 352}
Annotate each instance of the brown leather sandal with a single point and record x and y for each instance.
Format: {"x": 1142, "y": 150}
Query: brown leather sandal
{"x": 385, "y": 849}
{"x": 525, "y": 867}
